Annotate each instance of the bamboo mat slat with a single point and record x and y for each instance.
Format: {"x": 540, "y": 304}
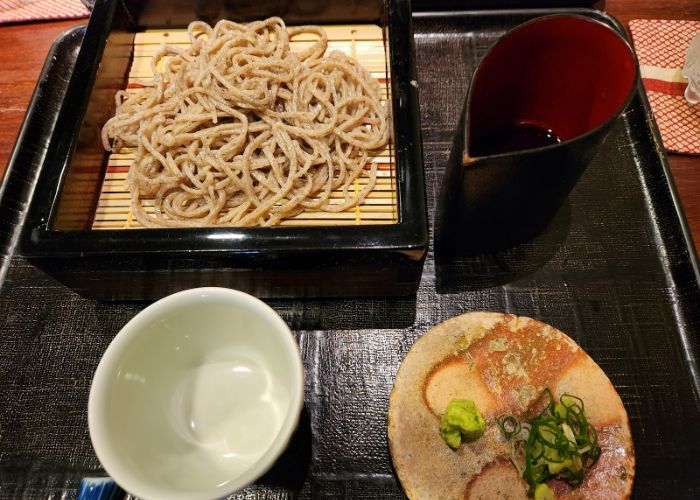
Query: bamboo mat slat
{"x": 364, "y": 42}
{"x": 358, "y": 32}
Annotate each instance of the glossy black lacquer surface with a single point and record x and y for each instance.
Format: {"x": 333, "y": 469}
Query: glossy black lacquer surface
{"x": 500, "y": 188}
{"x": 615, "y": 270}
{"x": 269, "y": 262}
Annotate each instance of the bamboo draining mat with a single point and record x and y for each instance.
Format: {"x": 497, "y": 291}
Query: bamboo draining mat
{"x": 364, "y": 42}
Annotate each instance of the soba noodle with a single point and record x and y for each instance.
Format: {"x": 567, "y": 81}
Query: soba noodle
{"x": 239, "y": 130}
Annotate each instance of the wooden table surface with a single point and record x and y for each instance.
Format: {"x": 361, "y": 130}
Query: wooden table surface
{"x": 23, "y": 48}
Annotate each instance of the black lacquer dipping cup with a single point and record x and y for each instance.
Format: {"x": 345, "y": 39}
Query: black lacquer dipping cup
{"x": 541, "y": 103}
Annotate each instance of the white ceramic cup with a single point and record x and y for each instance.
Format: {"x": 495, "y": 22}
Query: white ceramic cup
{"x": 197, "y": 396}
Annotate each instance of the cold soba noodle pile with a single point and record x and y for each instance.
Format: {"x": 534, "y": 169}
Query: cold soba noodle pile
{"x": 239, "y": 130}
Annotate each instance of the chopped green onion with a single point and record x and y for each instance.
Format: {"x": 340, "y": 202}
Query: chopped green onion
{"x": 509, "y": 426}
{"x": 559, "y": 442}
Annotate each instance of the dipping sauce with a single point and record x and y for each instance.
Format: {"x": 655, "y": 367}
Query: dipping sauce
{"x": 517, "y": 137}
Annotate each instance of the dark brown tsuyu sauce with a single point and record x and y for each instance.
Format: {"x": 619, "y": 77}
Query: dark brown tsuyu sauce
{"x": 516, "y": 137}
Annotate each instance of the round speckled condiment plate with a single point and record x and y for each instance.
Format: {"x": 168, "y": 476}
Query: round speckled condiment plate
{"x": 502, "y": 363}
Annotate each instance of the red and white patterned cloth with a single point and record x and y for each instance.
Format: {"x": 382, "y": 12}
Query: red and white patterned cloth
{"x": 660, "y": 46}
{"x": 15, "y": 11}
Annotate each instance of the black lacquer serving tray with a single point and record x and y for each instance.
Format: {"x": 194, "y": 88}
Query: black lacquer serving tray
{"x": 615, "y": 270}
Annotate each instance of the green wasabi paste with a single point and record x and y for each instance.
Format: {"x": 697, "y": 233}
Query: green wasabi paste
{"x": 461, "y": 421}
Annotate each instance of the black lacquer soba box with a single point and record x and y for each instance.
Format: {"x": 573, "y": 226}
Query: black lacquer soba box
{"x": 79, "y": 226}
